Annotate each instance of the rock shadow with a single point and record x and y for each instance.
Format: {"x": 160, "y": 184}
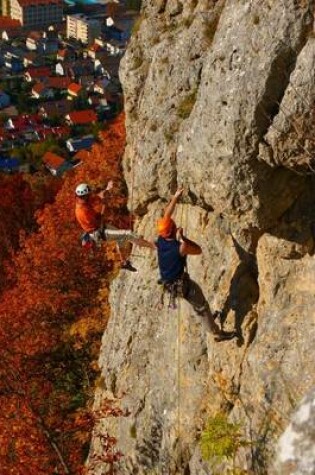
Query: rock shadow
{"x": 243, "y": 291}
{"x": 297, "y": 224}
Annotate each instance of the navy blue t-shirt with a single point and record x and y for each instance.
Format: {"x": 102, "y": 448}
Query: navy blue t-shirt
{"x": 171, "y": 263}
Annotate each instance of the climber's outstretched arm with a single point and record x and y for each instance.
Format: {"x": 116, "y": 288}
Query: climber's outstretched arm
{"x": 109, "y": 186}
{"x": 169, "y": 210}
{"x": 187, "y": 246}
{"x": 144, "y": 243}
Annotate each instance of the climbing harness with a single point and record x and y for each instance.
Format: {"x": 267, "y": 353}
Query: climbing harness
{"x": 87, "y": 242}
{"x": 93, "y": 239}
{"x": 177, "y": 288}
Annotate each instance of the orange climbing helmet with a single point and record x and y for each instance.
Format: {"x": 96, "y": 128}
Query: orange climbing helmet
{"x": 165, "y": 227}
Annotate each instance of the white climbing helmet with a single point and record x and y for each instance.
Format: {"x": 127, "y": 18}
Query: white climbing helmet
{"x": 82, "y": 190}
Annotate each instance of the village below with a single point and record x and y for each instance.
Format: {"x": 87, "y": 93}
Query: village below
{"x": 59, "y": 82}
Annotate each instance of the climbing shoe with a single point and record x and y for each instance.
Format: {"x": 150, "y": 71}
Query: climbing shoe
{"x": 128, "y": 266}
{"x": 224, "y": 336}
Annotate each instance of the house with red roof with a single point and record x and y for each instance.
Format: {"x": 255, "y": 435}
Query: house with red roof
{"x": 87, "y": 116}
{"x": 94, "y": 50}
{"x": 45, "y": 132}
{"x": 33, "y": 74}
{"x": 66, "y": 54}
{"x": 33, "y": 40}
{"x": 23, "y": 122}
{"x": 56, "y": 164}
{"x": 59, "y": 83}
{"x": 41, "y": 91}
{"x": 29, "y": 59}
{"x": 9, "y": 27}
{"x": 74, "y": 90}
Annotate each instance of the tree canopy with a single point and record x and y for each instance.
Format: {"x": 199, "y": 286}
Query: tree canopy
{"x": 52, "y": 314}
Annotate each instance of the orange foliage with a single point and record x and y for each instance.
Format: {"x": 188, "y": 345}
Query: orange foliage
{"x": 49, "y": 319}
{"x": 20, "y": 197}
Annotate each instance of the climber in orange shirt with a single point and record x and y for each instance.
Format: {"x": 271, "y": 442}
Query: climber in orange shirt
{"x": 89, "y": 211}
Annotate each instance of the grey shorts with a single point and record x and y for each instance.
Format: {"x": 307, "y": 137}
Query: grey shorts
{"x": 110, "y": 233}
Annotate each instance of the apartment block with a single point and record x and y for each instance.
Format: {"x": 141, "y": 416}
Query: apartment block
{"x": 83, "y": 28}
{"x": 36, "y": 13}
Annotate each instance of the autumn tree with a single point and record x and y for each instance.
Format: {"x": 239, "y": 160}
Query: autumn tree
{"x": 51, "y": 319}
{"x": 21, "y": 196}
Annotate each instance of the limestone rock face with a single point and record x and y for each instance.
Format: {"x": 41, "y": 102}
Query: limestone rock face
{"x": 220, "y": 98}
{"x": 296, "y": 449}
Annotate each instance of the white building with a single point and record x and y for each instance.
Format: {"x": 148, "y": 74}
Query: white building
{"x": 83, "y": 28}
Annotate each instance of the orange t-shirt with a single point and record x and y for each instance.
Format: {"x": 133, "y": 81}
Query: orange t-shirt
{"x": 88, "y": 213}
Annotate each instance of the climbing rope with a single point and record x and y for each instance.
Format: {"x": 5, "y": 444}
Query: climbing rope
{"x": 183, "y": 222}
{"x": 131, "y": 192}
{"x": 178, "y": 349}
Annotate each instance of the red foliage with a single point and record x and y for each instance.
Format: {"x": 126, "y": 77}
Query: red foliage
{"x": 106, "y": 455}
{"x": 43, "y": 422}
{"x": 20, "y": 197}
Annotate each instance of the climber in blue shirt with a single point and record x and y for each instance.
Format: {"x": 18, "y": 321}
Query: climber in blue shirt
{"x": 173, "y": 248}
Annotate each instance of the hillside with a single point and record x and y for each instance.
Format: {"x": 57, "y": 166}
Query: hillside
{"x": 220, "y": 99}
{"x": 53, "y": 309}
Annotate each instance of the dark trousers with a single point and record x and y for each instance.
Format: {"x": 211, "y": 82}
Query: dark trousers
{"x": 189, "y": 290}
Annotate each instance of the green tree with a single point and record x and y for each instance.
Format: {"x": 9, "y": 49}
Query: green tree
{"x": 221, "y": 440}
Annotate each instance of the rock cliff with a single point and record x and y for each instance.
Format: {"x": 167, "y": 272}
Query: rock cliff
{"x": 220, "y": 99}
{"x": 296, "y": 452}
